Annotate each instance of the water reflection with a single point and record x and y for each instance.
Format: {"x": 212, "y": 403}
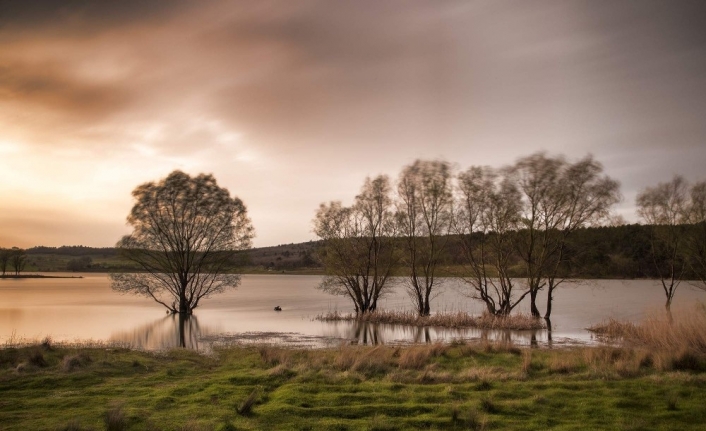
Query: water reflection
{"x": 87, "y": 309}
{"x": 172, "y": 331}
{"x": 367, "y": 333}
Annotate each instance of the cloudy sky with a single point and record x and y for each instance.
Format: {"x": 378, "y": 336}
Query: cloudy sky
{"x": 292, "y": 103}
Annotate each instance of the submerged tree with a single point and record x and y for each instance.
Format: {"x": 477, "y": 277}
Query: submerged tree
{"x": 358, "y": 251}
{"x": 664, "y": 208}
{"x": 186, "y": 233}
{"x": 488, "y": 213}
{"x": 559, "y": 197}
{"x": 424, "y": 215}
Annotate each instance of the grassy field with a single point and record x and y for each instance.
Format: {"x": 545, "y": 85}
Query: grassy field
{"x": 456, "y": 386}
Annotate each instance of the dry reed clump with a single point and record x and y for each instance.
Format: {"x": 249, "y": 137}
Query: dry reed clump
{"x": 345, "y": 358}
{"x": 272, "y": 355}
{"x": 377, "y": 360}
{"x": 683, "y": 333}
{"x": 458, "y": 319}
{"x": 281, "y": 370}
{"x": 72, "y": 362}
{"x": 614, "y": 329}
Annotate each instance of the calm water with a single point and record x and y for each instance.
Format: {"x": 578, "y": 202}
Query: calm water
{"x": 87, "y": 309}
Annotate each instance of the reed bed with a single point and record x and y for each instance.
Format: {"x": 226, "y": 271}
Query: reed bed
{"x": 456, "y": 320}
{"x": 682, "y": 330}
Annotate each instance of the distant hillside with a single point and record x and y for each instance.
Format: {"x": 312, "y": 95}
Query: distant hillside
{"x": 601, "y": 252}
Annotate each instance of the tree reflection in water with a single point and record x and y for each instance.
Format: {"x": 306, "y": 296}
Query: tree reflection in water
{"x": 174, "y": 330}
{"x": 367, "y": 333}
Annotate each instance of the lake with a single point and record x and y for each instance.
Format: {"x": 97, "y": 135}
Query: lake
{"x": 86, "y": 309}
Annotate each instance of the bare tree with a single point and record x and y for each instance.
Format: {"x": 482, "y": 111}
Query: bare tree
{"x": 186, "y": 233}
{"x": 664, "y": 208}
{"x": 558, "y": 198}
{"x": 488, "y": 213}
{"x": 425, "y": 215}
{"x": 359, "y": 251}
{"x": 587, "y": 197}
{"x": 696, "y": 239}
{"x": 18, "y": 259}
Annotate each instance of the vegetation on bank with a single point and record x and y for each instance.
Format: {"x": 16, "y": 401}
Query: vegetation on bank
{"x": 456, "y": 386}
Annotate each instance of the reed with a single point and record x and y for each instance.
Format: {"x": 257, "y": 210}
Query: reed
{"x": 682, "y": 331}
{"x": 457, "y": 320}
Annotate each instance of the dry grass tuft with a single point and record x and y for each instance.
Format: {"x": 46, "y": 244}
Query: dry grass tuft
{"x": 566, "y": 363}
{"x": 526, "y": 361}
{"x": 685, "y": 331}
{"x": 72, "y": 362}
{"x": 272, "y": 355}
{"x": 377, "y": 360}
{"x": 416, "y": 357}
{"x": 115, "y": 419}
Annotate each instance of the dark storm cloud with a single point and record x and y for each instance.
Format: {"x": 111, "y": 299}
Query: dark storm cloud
{"x": 80, "y": 16}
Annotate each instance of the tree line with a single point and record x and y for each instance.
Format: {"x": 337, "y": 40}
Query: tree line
{"x": 509, "y": 233}
{"x": 12, "y": 260}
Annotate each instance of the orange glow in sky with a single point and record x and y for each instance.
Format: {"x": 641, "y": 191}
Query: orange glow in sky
{"x": 290, "y": 104}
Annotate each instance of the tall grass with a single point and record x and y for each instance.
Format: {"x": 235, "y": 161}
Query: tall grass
{"x": 677, "y": 340}
{"x": 458, "y": 319}
{"x": 685, "y": 330}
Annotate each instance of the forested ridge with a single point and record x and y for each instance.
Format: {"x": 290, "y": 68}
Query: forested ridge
{"x": 595, "y": 252}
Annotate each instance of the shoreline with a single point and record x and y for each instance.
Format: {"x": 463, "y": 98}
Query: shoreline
{"x": 14, "y": 277}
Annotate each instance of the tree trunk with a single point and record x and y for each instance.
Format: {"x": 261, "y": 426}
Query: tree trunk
{"x": 533, "y": 303}
{"x": 668, "y": 307}
{"x": 182, "y": 331}
{"x": 183, "y": 305}
{"x": 548, "y": 314}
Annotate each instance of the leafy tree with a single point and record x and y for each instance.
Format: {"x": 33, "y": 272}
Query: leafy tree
{"x": 664, "y": 207}
{"x": 186, "y": 234}
{"x": 358, "y": 250}
{"x": 424, "y": 214}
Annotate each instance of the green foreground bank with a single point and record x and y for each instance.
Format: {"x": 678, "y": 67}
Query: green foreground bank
{"x": 458, "y": 386}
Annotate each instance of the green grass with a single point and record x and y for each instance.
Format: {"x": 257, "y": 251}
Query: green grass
{"x": 350, "y": 388}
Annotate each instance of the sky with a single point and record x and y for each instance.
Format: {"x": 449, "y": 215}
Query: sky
{"x": 293, "y": 103}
